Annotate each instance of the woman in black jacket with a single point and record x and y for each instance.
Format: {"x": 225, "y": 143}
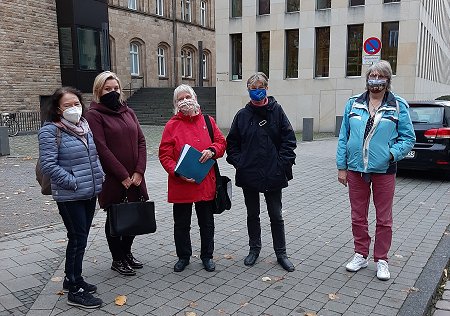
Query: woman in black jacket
{"x": 260, "y": 145}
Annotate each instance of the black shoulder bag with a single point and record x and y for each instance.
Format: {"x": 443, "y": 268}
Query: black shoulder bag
{"x": 222, "y": 200}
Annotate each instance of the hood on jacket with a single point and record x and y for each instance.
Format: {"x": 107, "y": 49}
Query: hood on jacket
{"x": 104, "y": 109}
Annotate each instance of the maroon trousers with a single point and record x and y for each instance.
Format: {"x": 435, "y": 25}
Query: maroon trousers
{"x": 383, "y": 187}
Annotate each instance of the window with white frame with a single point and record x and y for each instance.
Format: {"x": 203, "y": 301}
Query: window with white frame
{"x": 186, "y": 10}
{"x": 160, "y": 7}
{"x": 132, "y": 4}
{"x": 134, "y": 59}
{"x": 354, "y": 3}
{"x": 186, "y": 63}
{"x": 205, "y": 66}
{"x": 161, "y": 62}
{"x": 203, "y": 13}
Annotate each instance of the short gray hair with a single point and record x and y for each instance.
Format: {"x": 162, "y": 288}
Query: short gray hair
{"x": 180, "y": 89}
{"x": 258, "y": 77}
{"x": 383, "y": 67}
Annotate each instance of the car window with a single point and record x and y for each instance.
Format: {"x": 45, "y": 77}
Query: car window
{"x": 427, "y": 115}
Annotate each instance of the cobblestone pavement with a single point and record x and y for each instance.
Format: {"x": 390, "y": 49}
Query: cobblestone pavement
{"x": 319, "y": 242}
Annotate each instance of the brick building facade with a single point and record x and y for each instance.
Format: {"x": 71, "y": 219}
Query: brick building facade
{"x": 153, "y": 43}
{"x": 29, "y": 62}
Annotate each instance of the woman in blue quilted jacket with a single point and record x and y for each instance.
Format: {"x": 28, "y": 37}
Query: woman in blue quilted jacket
{"x": 68, "y": 155}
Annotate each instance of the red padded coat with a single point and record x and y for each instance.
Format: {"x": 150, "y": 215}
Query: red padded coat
{"x": 191, "y": 130}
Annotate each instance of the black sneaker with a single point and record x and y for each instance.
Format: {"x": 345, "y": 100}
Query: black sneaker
{"x": 83, "y": 299}
{"x": 90, "y": 288}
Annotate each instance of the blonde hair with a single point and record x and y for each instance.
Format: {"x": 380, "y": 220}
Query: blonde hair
{"x": 99, "y": 83}
{"x": 180, "y": 89}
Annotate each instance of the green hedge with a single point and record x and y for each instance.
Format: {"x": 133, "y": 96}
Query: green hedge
{"x": 444, "y": 97}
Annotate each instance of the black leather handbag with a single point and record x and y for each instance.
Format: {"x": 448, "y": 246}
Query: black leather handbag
{"x": 132, "y": 218}
{"x": 222, "y": 200}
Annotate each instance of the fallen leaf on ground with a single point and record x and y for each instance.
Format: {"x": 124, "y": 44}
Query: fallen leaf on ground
{"x": 332, "y": 296}
{"x": 244, "y": 304}
{"x": 266, "y": 279}
{"x": 279, "y": 278}
{"x": 410, "y": 290}
{"x": 24, "y": 249}
{"x": 120, "y": 300}
{"x": 56, "y": 279}
{"x": 229, "y": 257}
{"x": 190, "y": 314}
{"x": 60, "y": 241}
{"x": 310, "y": 314}
{"x": 60, "y": 293}
{"x": 193, "y": 304}
{"x": 398, "y": 256}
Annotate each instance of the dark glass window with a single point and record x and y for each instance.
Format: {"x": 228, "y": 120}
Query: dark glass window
{"x": 356, "y": 2}
{"x": 354, "y": 49}
{"x": 293, "y": 5}
{"x": 236, "y": 8}
{"x": 292, "y": 45}
{"x": 322, "y": 52}
{"x": 263, "y": 52}
{"x": 263, "y": 7}
{"x": 236, "y": 56}
{"x": 89, "y": 49}
{"x": 323, "y": 4}
{"x": 65, "y": 47}
{"x": 389, "y": 43}
{"x": 389, "y": 1}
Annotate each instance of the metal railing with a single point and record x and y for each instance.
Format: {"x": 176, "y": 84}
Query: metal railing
{"x": 26, "y": 121}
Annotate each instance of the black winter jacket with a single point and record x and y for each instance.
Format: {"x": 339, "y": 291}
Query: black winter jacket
{"x": 260, "y": 164}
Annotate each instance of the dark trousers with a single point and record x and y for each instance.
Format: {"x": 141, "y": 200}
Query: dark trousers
{"x": 273, "y": 201}
{"x": 182, "y": 213}
{"x": 77, "y": 217}
{"x": 119, "y": 246}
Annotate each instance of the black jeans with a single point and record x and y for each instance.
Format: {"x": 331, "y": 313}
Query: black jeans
{"x": 119, "y": 246}
{"x": 182, "y": 213}
{"x": 77, "y": 217}
{"x": 273, "y": 201}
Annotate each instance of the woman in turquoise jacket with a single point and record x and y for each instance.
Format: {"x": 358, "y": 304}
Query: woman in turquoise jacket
{"x": 376, "y": 132}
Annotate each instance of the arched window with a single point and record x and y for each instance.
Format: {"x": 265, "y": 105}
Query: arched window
{"x": 205, "y": 66}
{"x": 134, "y": 59}
{"x": 186, "y": 10}
{"x": 160, "y": 7}
{"x": 203, "y": 13}
{"x": 186, "y": 63}
{"x": 161, "y": 62}
{"x": 132, "y": 4}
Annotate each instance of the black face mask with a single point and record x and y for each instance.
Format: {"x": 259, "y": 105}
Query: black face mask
{"x": 111, "y": 100}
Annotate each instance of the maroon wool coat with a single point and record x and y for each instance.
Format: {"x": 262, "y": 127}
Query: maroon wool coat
{"x": 122, "y": 150}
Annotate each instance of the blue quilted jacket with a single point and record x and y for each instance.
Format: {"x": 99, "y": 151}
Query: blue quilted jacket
{"x": 74, "y": 168}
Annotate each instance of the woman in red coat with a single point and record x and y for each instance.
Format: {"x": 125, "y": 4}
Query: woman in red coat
{"x": 122, "y": 151}
{"x": 188, "y": 126}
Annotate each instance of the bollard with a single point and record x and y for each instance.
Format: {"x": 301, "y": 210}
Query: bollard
{"x": 337, "y": 129}
{"x": 4, "y": 141}
{"x": 308, "y": 123}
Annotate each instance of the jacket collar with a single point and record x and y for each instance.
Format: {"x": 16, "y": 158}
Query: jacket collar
{"x": 269, "y": 106}
{"x": 104, "y": 109}
{"x": 388, "y": 100}
{"x": 183, "y": 117}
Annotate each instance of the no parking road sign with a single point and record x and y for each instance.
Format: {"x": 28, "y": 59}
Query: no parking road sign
{"x": 372, "y": 45}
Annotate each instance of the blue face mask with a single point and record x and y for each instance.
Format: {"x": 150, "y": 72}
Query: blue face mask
{"x": 257, "y": 94}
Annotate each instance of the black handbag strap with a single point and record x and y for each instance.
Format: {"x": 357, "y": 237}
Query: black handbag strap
{"x": 211, "y": 135}
{"x": 263, "y": 123}
{"x": 125, "y": 194}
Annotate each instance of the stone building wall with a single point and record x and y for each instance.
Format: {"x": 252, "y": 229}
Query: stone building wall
{"x": 29, "y": 62}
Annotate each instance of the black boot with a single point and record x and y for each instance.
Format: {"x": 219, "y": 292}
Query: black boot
{"x": 285, "y": 263}
{"x": 122, "y": 267}
{"x": 250, "y": 260}
{"x": 133, "y": 262}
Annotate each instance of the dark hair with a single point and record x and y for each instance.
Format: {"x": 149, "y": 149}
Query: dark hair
{"x": 53, "y": 114}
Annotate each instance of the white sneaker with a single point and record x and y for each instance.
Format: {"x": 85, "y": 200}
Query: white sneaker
{"x": 357, "y": 263}
{"x": 383, "y": 270}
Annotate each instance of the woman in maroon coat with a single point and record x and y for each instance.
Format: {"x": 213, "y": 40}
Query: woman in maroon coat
{"x": 122, "y": 151}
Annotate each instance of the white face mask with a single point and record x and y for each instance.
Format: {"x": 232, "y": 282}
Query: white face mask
{"x": 73, "y": 114}
{"x": 188, "y": 106}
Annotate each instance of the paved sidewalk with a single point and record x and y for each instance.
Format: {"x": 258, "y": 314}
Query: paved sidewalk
{"x": 319, "y": 242}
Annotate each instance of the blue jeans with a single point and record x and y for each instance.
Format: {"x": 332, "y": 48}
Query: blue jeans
{"x": 274, "y": 206}
{"x": 77, "y": 217}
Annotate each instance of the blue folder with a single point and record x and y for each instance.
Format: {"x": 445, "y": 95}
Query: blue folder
{"x": 189, "y": 166}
